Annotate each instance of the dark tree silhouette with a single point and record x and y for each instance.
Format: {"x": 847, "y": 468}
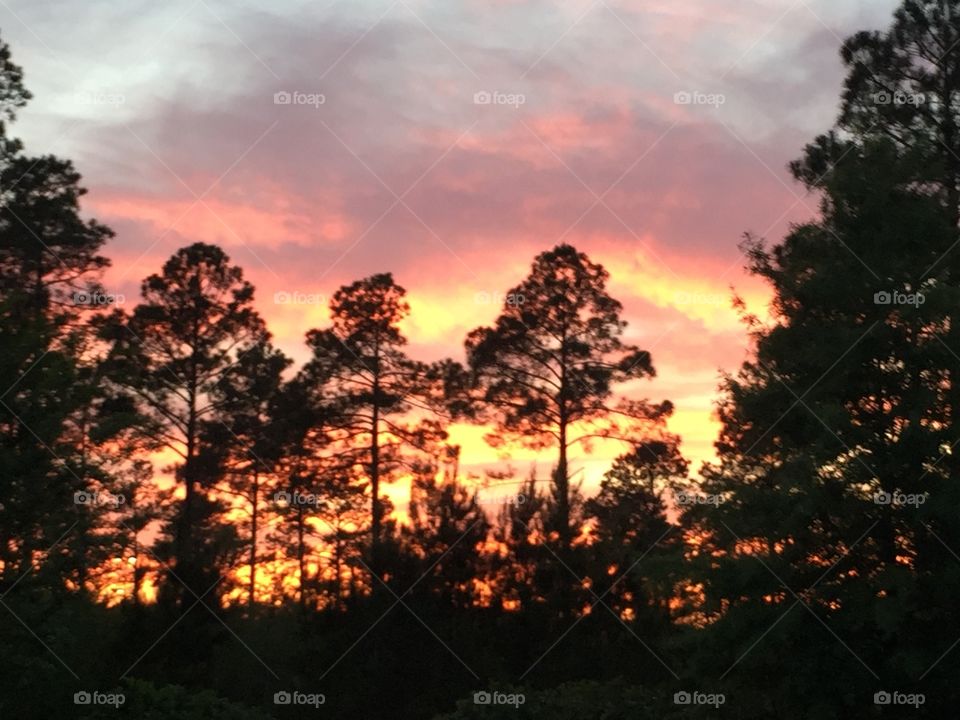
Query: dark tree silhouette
{"x": 834, "y": 493}
{"x": 193, "y": 326}
{"x": 904, "y": 85}
{"x": 48, "y": 253}
{"x": 244, "y": 437}
{"x": 636, "y": 551}
{"x": 374, "y": 387}
{"x": 811, "y": 566}
{"x": 548, "y": 368}
{"x": 446, "y": 535}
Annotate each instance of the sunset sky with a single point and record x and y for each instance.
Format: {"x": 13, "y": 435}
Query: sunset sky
{"x": 168, "y": 109}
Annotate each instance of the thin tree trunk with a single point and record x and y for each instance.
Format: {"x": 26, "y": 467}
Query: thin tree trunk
{"x": 338, "y": 550}
{"x": 137, "y": 573}
{"x": 253, "y": 536}
{"x": 563, "y": 473}
{"x": 301, "y": 559}
{"x": 563, "y": 491}
{"x": 375, "y": 510}
{"x": 375, "y": 487}
{"x": 184, "y": 542}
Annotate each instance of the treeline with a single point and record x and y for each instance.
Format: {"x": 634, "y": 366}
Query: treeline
{"x": 272, "y": 501}
{"x": 813, "y": 572}
{"x": 281, "y": 479}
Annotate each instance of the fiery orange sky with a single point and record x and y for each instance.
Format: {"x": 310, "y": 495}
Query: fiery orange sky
{"x": 450, "y": 143}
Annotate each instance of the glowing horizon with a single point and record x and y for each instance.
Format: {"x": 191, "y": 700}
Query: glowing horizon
{"x": 318, "y": 159}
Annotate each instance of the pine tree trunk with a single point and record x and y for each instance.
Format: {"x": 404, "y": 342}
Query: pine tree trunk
{"x": 253, "y": 537}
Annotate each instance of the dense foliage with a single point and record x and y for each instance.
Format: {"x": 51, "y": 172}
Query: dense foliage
{"x": 260, "y": 569}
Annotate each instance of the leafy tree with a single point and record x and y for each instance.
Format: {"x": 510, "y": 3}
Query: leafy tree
{"x": 383, "y": 400}
{"x": 114, "y": 508}
{"x": 636, "y": 549}
{"x": 13, "y": 96}
{"x": 245, "y": 438}
{"x": 321, "y": 490}
{"x": 48, "y": 253}
{"x": 548, "y": 369}
{"x": 36, "y": 489}
{"x": 903, "y": 87}
{"x": 173, "y": 353}
{"x": 447, "y": 531}
{"x": 522, "y": 560}
{"x": 800, "y": 539}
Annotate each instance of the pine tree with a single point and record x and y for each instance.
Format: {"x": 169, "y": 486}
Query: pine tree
{"x": 49, "y": 265}
{"x": 173, "y": 354}
{"x": 547, "y": 372}
{"x": 245, "y": 440}
{"x": 833, "y": 505}
{"x": 447, "y": 531}
{"x": 384, "y": 403}
{"x": 635, "y": 550}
